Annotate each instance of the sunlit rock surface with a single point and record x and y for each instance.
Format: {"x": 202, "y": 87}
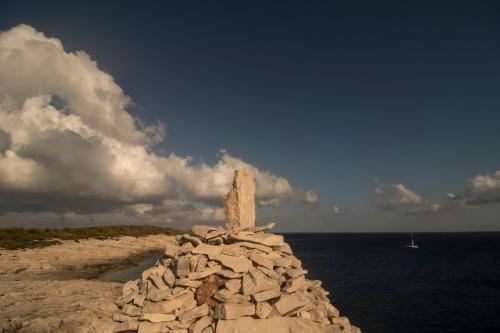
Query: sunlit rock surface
{"x": 249, "y": 282}
{"x": 240, "y": 201}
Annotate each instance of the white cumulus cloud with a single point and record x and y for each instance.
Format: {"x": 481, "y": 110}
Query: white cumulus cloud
{"x": 394, "y": 196}
{"x": 69, "y": 144}
{"x": 399, "y": 197}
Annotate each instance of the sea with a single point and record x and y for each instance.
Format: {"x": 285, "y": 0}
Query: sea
{"x": 451, "y": 283}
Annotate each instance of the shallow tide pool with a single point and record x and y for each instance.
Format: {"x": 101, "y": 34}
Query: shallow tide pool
{"x": 130, "y": 273}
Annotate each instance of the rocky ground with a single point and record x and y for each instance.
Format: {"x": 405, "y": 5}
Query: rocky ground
{"x": 208, "y": 281}
{"x": 53, "y": 289}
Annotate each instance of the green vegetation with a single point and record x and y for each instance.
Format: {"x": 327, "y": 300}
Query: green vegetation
{"x": 20, "y": 238}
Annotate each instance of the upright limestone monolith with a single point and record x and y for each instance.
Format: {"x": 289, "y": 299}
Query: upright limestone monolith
{"x": 240, "y": 204}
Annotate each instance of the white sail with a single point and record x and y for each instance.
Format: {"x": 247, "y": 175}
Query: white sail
{"x": 412, "y": 244}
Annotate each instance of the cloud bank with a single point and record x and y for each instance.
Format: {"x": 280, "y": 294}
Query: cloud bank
{"x": 479, "y": 190}
{"x": 68, "y": 144}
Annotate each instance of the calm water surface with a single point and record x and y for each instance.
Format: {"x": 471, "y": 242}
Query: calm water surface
{"x": 450, "y": 284}
{"x": 130, "y": 273}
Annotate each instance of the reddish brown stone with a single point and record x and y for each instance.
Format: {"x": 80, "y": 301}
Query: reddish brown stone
{"x": 205, "y": 292}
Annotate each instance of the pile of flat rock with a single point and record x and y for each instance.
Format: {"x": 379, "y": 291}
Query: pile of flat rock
{"x": 217, "y": 280}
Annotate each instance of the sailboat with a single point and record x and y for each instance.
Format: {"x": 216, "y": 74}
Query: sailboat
{"x": 412, "y": 245}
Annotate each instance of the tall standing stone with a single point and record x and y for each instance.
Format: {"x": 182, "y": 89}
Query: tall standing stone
{"x": 240, "y": 204}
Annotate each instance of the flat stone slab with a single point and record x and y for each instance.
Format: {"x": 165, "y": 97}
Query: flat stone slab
{"x": 203, "y": 231}
{"x": 157, "y": 317}
{"x": 236, "y": 264}
{"x": 289, "y": 303}
{"x": 274, "y": 325}
{"x": 234, "y": 310}
{"x": 263, "y": 239}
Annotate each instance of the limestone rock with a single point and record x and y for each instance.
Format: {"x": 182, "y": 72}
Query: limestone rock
{"x": 259, "y": 247}
{"x": 233, "y": 310}
{"x": 296, "y": 262}
{"x": 176, "y": 301}
{"x": 186, "y": 248}
{"x": 195, "y": 241}
{"x": 158, "y": 281}
{"x": 261, "y": 282}
{"x": 157, "y": 317}
{"x": 226, "y": 296}
{"x": 169, "y": 277}
{"x": 270, "y": 273}
{"x": 261, "y": 260}
{"x": 226, "y": 273}
{"x": 267, "y": 295}
{"x": 209, "y": 329}
{"x": 240, "y": 203}
{"x": 171, "y": 251}
{"x": 153, "y": 271}
{"x": 121, "y": 317}
{"x": 201, "y": 264}
{"x": 182, "y": 266}
{"x": 247, "y": 285}
{"x": 207, "y": 249}
{"x": 211, "y": 234}
{"x": 265, "y": 227}
{"x": 126, "y": 326}
{"x": 205, "y": 273}
{"x": 289, "y": 303}
{"x": 146, "y": 327}
{"x": 295, "y": 284}
{"x": 263, "y": 310}
{"x": 200, "y": 230}
{"x": 236, "y": 264}
{"x": 186, "y": 282}
{"x": 234, "y": 250}
{"x": 200, "y": 325}
{"x": 233, "y": 285}
{"x": 156, "y": 295}
{"x": 283, "y": 249}
{"x": 131, "y": 310}
{"x": 130, "y": 286}
{"x": 284, "y": 262}
{"x": 263, "y": 239}
{"x": 293, "y": 272}
{"x": 194, "y": 313}
{"x": 344, "y": 321}
{"x": 274, "y": 325}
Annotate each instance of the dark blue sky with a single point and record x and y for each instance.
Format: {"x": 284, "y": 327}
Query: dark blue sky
{"x": 327, "y": 94}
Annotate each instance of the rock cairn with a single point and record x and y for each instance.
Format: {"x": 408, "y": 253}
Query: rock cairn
{"x": 239, "y": 280}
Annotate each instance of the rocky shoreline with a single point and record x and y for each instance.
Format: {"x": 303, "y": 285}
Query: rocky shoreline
{"x": 51, "y": 289}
